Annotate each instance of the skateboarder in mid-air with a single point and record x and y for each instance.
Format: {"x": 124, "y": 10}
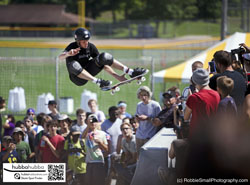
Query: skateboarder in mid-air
{"x": 84, "y": 62}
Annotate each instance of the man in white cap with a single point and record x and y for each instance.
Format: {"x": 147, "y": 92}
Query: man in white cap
{"x": 96, "y": 145}
{"x": 203, "y": 104}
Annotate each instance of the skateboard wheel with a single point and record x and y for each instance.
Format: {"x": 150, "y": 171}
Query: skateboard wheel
{"x": 138, "y": 82}
{"x": 117, "y": 89}
{"x": 143, "y": 79}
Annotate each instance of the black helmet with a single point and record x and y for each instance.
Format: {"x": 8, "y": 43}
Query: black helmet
{"x": 82, "y": 34}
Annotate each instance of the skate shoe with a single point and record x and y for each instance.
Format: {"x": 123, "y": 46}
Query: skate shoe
{"x": 104, "y": 83}
{"x": 138, "y": 71}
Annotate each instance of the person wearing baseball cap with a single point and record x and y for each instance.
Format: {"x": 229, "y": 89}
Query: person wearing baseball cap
{"x": 64, "y": 123}
{"x": 22, "y": 148}
{"x": 96, "y": 144}
{"x": 166, "y": 117}
{"x": 204, "y": 103}
{"x": 30, "y": 112}
{"x": 52, "y": 106}
{"x": 9, "y": 155}
{"x": 76, "y": 152}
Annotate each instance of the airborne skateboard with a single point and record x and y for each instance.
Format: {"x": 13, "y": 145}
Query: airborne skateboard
{"x": 116, "y": 88}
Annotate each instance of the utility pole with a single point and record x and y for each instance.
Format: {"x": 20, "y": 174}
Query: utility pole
{"x": 224, "y": 19}
{"x": 247, "y": 5}
{"x": 81, "y": 13}
{"x": 242, "y": 14}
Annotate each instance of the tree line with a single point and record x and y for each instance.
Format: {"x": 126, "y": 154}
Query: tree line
{"x": 143, "y": 9}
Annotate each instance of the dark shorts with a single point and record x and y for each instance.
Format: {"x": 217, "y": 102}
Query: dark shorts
{"x": 95, "y": 174}
{"x": 75, "y": 68}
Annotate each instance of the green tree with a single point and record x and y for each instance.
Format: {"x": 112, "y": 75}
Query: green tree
{"x": 178, "y": 9}
{"x": 95, "y": 7}
{"x": 4, "y": 2}
{"x": 162, "y": 10}
{"x": 71, "y": 6}
{"x": 209, "y": 9}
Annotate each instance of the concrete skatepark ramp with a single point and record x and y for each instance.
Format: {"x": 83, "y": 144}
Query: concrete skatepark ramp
{"x": 153, "y": 155}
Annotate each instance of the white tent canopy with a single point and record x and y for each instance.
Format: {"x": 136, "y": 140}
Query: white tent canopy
{"x": 183, "y": 72}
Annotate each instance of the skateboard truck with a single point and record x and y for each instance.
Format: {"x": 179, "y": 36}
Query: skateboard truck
{"x": 116, "y": 88}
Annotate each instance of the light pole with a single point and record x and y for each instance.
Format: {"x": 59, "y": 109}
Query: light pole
{"x": 224, "y": 19}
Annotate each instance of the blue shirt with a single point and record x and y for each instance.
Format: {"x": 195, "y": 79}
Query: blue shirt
{"x": 227, "y": 105}
{"x": 12, "y": 158}
{"x": 146, "y": 129}
{"x": 127, "y": 115}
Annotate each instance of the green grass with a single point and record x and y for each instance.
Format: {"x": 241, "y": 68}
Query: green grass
{"x": 38, "y": 77}
{"x": 191, "y": 28}
{"x": 170, "y": 29}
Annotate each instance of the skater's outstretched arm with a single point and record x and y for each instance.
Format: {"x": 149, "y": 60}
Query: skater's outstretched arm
{"x": 66, "y": 54}
{"x": 114, "y": 74}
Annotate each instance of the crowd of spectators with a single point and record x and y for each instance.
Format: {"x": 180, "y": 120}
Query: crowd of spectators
{"x": 97, "y": 149}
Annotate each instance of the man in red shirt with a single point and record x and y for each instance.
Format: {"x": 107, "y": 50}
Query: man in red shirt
{"x": 204, "y": 103}
{"x": 51, "y": 145}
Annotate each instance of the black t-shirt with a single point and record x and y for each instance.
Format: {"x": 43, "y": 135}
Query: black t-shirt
{"x": 238, "y": 92}
{"x": 1, "y": 127}
{"x": 167, "y": 117}
{"x": 85, "y": 54}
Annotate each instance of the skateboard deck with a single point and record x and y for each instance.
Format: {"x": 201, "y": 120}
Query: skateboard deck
{"x": 115, "y": 88}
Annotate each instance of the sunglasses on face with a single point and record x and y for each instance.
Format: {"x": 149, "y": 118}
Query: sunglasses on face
{"x": 126, "y": 128}
{"x": 82, "y": 115}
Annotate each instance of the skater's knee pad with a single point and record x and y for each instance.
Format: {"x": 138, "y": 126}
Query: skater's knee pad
{"x": 105, "y": 59}
{"x": 74, "y": 67}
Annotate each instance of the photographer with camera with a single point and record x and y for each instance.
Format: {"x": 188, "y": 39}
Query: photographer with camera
{"x": 223, "y": 63}
{"x": 170, "y": 114}
{"x": 246, "y": 62}
{"x": 9, "y": 154}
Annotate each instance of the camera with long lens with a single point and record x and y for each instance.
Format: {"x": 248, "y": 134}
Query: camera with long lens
{"x": 239, "y": 52}
{"x": 180, "y": 107}
{"x": 75, "y": 150}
